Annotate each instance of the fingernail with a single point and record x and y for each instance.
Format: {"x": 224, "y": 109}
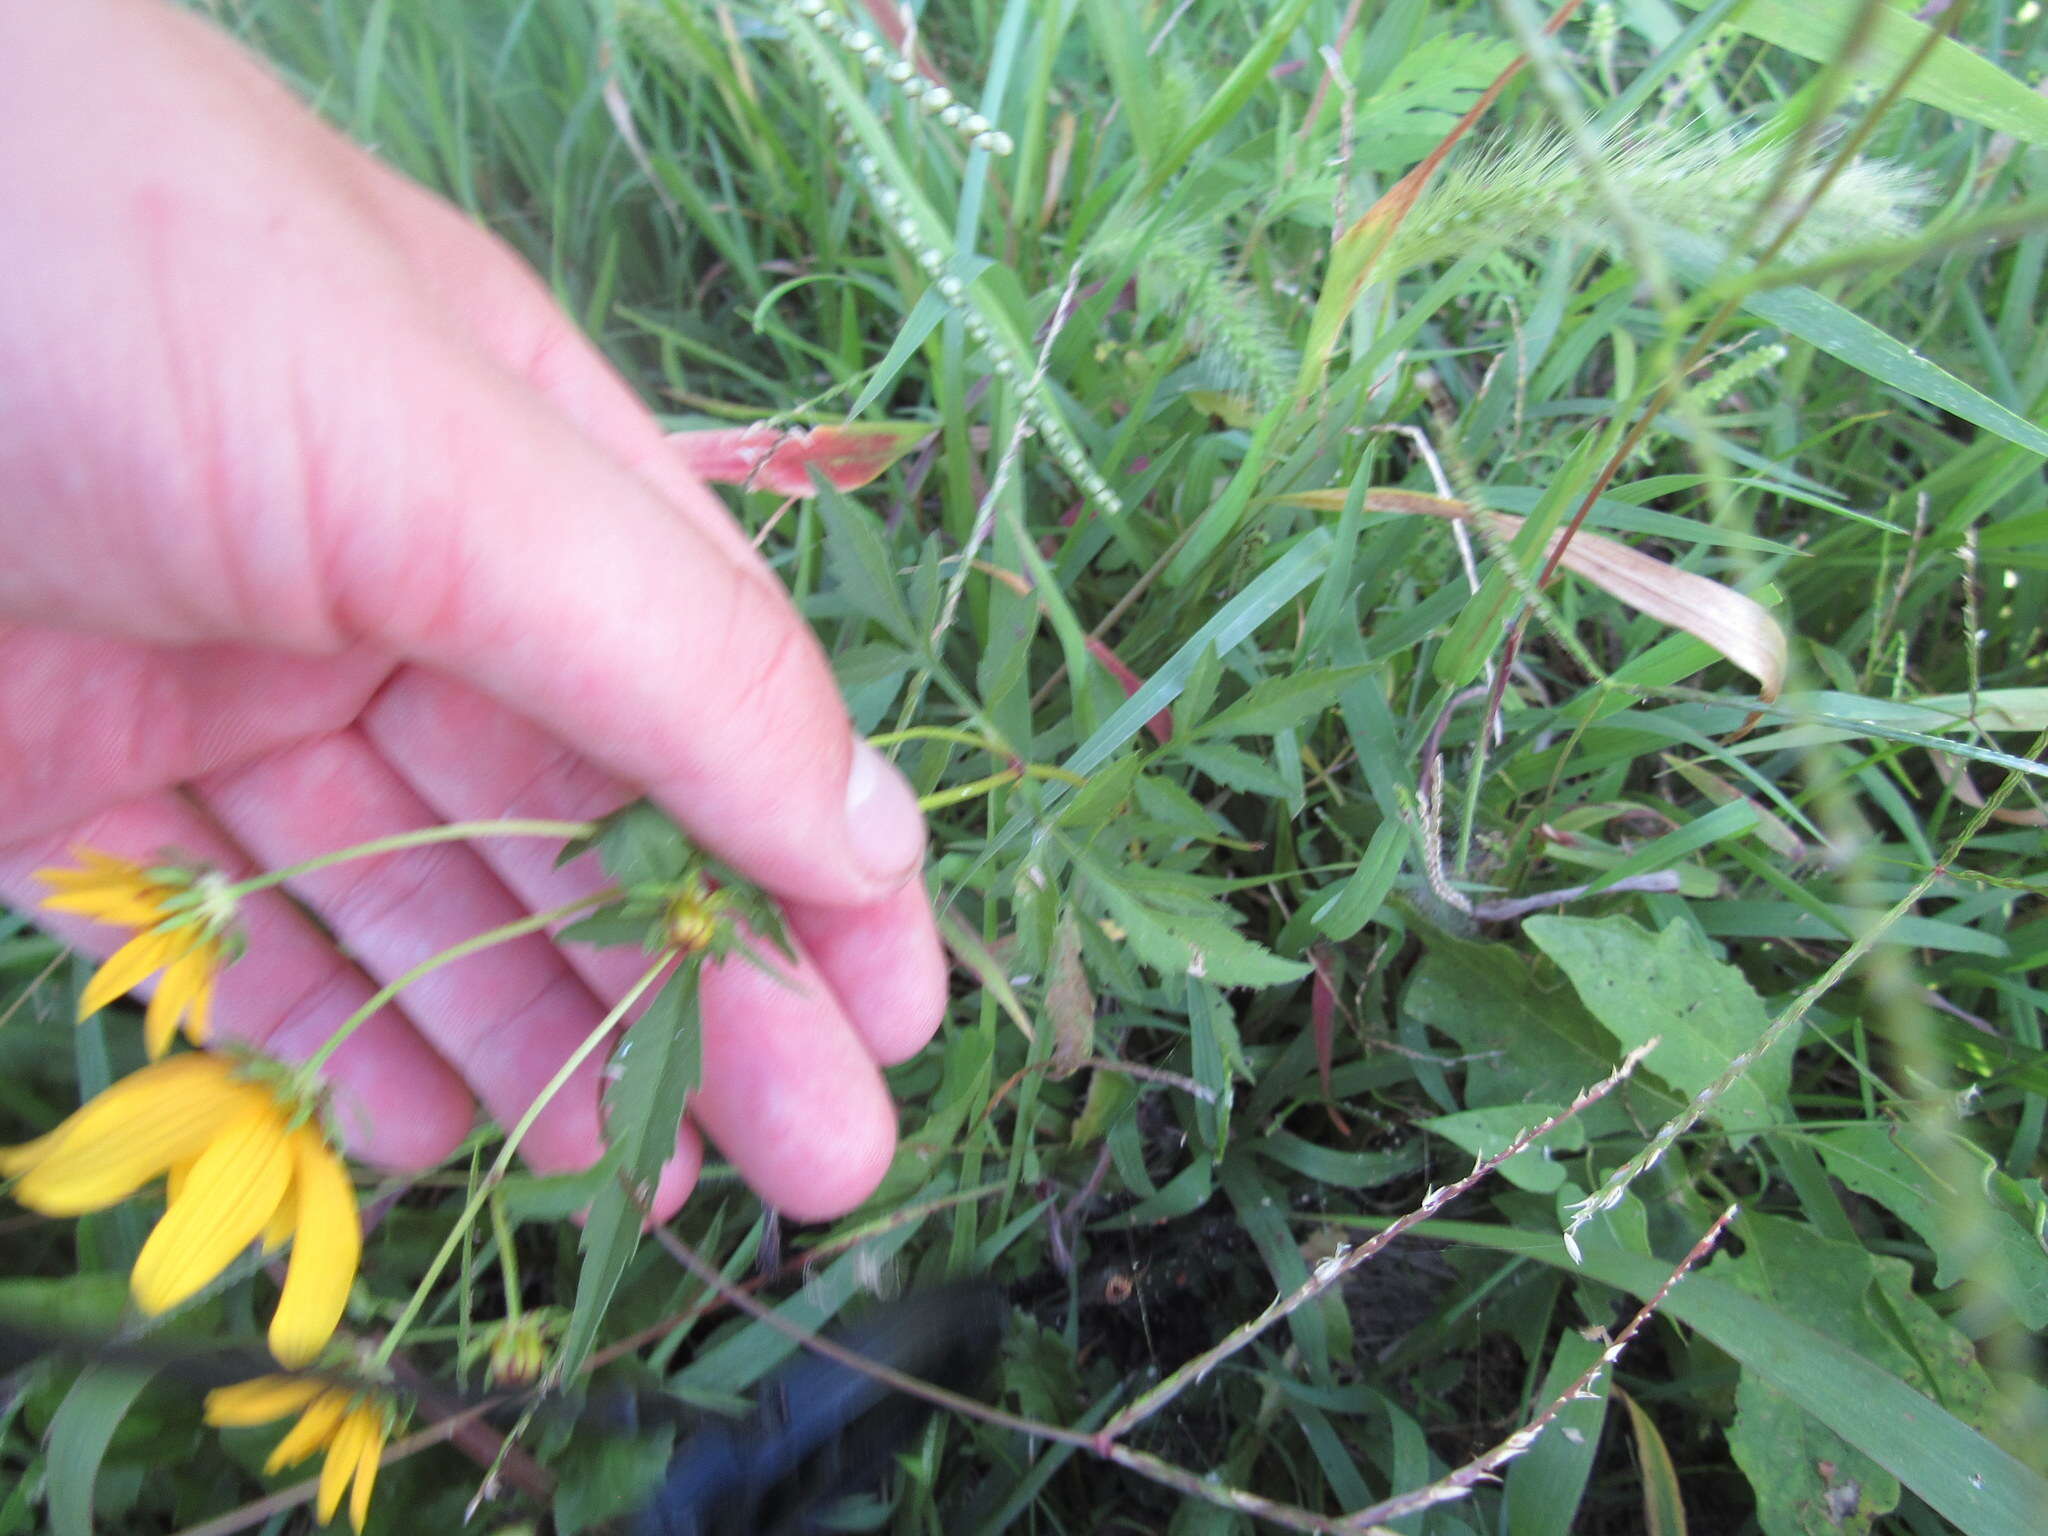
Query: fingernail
{"x": 882, "y": 819}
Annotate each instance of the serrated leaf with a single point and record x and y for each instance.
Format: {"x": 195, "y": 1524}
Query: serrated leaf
{"x": 1199, "y": 694}
{"x": 1107, "y": 789}
{"x": 654, "y": 1070}
{"x": 1670, "y": 986}
{"x": 640, "y": 845}
{"x": 1234, "y": 768}
{"x": 1423, "y": 96}
{"x": 1279, "y": 703}
{"x": 861, "y": 566}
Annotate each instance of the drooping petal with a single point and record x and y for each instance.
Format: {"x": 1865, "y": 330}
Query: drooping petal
{"x": 343, "y": 1452}
{"x": 233, "y": 1189}
{"x": 20, "y": 1159}
{"x": 316, "y": 1427}
{"x": 367, "y": 1462}
{"x": 282, "y": 1223}
{"x": 174, "y": 1180}
{"x": 199, "y": 1023}
{"x": 173, "y": 995}
{"x": 164, "y": 1114}
{"x": 261, "y": 1401}
{"x": 131, "y": 963}
{"x": 120, "y": 907}
{"x": 326, "y": 1244}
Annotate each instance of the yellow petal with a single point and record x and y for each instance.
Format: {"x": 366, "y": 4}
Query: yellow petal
{"x": 174, "y": 1180}
{"x": 132, "y": 962}
{"x": 123, "y": 908}
{"x": 316, "y": 1427}
{"x": 282, "y": 1222}
{"x": 261, "y": 1401}
{"x": 163, "y": 1115}
{"x": 343, "y": 1451}
{"x": 20, "y": 1159}
{"x": 367, "y": 1462}
{"x": 327, "y": 1241}
{"x": 234, "y": 1187}
{"x": 199, "y": 1023}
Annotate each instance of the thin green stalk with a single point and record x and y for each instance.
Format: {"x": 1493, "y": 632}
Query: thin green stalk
{"x": 533, "y": 922}
{"x": 503, "y": 1161}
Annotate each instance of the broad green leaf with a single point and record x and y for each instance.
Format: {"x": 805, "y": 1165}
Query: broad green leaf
{"x": 1981, "y": 1489}
{"x": 80, "y": 1433}
{"x": 606, "y": 1476}
{"x": 1981, "y": 1223}
{"x": 1953, "y": 78}
{"x": 1483, "y": 1132}
{"x": 1525, "y": 1042}
{"x": 1668, "y": 985}
{"x": 1809, "y": 1481}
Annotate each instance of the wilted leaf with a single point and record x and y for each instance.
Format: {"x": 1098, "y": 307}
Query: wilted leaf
{"x": 1736, "y": 626}
{"x": 779, "y": 459}
{"x": 1069, "y": 1002}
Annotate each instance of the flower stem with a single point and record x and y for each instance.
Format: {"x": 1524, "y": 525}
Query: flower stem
{"x": 503, "y": 1161}
{"x": 531, "y": 923}
{"x": 508, "y": 1261}
{"x": 421, "y": 837}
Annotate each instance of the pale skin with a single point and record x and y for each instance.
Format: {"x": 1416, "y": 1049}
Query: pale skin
{"x": 322, "y": 523}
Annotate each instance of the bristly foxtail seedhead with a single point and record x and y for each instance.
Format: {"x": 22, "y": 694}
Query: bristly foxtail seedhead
{"x": 928, "y": 96}
{"x": 1513, "y": 194}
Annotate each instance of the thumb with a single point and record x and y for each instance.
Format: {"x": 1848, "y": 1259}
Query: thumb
{"x": 543, "y": 572}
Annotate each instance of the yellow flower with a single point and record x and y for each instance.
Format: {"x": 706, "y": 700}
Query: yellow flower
{"x": 351, "y": 1425}
{"x": 245, "y": 1159}
{"x": 186, "y": 918}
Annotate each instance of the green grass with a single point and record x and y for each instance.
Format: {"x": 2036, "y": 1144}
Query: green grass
{"x": 1854, "y": 440}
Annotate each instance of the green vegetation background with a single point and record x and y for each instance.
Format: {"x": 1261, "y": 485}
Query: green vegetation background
{"x": 1225, "y": 1004}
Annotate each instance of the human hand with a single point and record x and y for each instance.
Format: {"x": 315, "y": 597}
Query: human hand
{"x": 323, "y": 523}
